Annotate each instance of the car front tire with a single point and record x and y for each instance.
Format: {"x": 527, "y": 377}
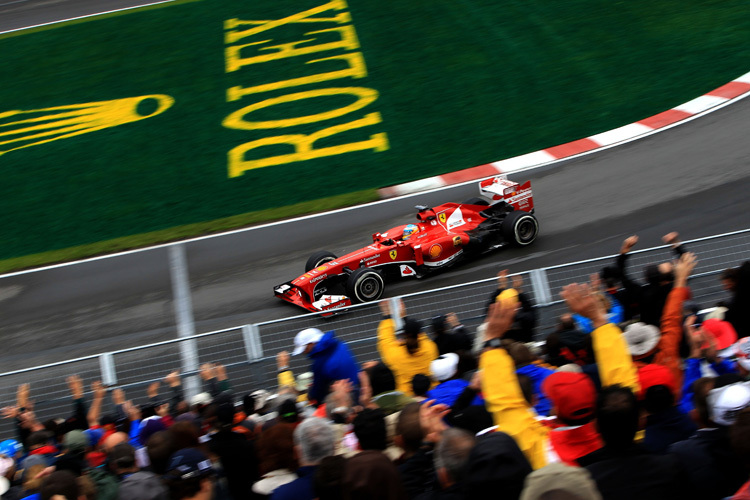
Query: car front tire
{"x": 365, "y": 285}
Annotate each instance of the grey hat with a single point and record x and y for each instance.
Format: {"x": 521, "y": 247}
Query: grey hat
{"x": 559, "y": 477}
{"x": 641, "y": 338}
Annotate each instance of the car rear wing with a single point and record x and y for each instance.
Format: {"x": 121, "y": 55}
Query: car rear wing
{"x": 499, "y": 188}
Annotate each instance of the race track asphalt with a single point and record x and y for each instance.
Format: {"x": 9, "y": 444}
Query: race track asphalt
{"x": 693, "y": 178}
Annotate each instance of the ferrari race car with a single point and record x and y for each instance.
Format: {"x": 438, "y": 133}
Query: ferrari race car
{"x": 442, "y": 236}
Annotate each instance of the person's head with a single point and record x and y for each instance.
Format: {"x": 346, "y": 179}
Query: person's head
{"x": 60, "y": 485}
{"x": 610, "y": 275}
{"x": 370, "y": 429}
{"x": 38, "y": 439}
{"x": 566, "y": 322}
{"x": 409, "y": 231}
{"x": 409, "y": 433}
{"x": 420, "y": 384}
{"x": 617, "y": 417}
{"x": 652, "y": 374}
{"x": 184, "y": 434}
{"x": 725, "y": 402}
{"x": 113, "y": 440}
{"x": 658, "y": 399}
{"x": 452, "y": 455}
{"x": 381, "y": 379}
{"x": 520, "y": 354}
{"x": 659, "y": 274}
{"x": 339, "y": 408}
{"x": 496, "y": 468}
{"x": 288, "y": 411}
{"x": 642, "y": 340}
{"x": 445, "y": 366}
{"x": 438, "y": 325}
{"x": 313, "y": 441}
{"x": 573, "y": 396}
{"x": 328, "y": 480}
{"x": 189, "y": 475}
{"x": 148, "y": 427}
{"x": 159, "y": 448}
{"x": 276, "y": 448}
{"x": 121, "y": 458}
{"x": 560, "y": 482}
{"x": 412, "y": 329}
{"x": 729, "y": 278}
{"x": 305, "y": 341}
{"x": 75, "y": 442}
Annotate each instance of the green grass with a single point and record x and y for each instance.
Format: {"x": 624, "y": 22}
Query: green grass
{"x": 459, "y": 83}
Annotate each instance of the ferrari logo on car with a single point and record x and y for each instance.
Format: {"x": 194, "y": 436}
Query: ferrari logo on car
{"x": 456, "y": 241}
{"x": 393, "y": 254}
{"x": 441, "y": 217}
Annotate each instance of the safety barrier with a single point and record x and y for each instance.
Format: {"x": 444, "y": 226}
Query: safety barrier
{"x": 248, "y": 351}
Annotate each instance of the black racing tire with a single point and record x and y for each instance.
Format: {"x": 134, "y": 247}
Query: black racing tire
{"x": 477, "y": 201}
{"x": 318, "y": 259}
{"x": 520, "y": 228}
{"x": 365, "y": 285}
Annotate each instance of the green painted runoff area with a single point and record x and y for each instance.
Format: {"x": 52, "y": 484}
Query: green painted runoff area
{"x": 197, "y": 116}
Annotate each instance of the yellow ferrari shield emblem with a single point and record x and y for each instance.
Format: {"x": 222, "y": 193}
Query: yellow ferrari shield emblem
{"x": 393, "y": 254}
{"x": 441, "y": 217}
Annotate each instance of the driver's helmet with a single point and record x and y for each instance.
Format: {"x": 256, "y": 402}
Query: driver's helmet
{"x": 409, "y": 230}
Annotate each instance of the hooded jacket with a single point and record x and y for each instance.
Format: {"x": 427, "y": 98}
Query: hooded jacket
{"x": 404, "y": 365}
{"x": 331, "y": 361}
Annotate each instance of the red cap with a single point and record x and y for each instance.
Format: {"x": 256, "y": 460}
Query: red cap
{"x": 572, "y": 394}
{"x": 653, "y": 374}
{"x": 722, "y": 331}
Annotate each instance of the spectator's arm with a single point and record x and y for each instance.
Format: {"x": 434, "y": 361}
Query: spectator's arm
{"x": 613, "y": 358}
{"x": 98, "y": 391}
{"x": 284, "y": 376}
{"x": 470, "y": 392}
{"x": 153, "y": 392}
{"x": 221, "y": 378}
{"x": 671, "y": 319}
{"x": 175, "y": 385}
{"x": 79, "y": 407}
{"x": 673, "y": 239}
{"x": 208, "y": 375}
{"x": 388, "y": 344}
{"x": 621, "y": 262}
{"x": 502, "y": 393}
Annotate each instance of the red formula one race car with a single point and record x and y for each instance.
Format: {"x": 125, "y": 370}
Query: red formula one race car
{"x": 442, "y": 236}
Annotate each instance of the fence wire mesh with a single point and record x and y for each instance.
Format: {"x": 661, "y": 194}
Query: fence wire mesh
{"x": 248, "y": 352}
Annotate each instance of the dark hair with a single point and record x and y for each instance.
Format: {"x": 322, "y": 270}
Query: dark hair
{"x": 527, "y": 387}
{"x": 409, "y": 427}
{"x": 739, "y": 436}
{"x": 701, "y": 388}
{"x": 420, "y": 384}
{"x": 276, "y": 448}
{"x": 60, "y": 482}
{"x": 617, "y": 417}
{"x": 659, "y": 398}
{"x": 122, "y": 456}
{"x": 412, "y": 329}
{"x": 520, "y": 354}
{"x": 184, "y": 435}
{"x": 38, "y": 438}
{"x": 159, "y": 448}
{"x": 438, "y": 325}
{"x": 731, "y": 273}
{"x": 381, "y": 379}
{"x": 369, "y": 427}
{"x": 184, "y": 488}
{"x": 328, "y": 480}
{"x": 248, "y": 404}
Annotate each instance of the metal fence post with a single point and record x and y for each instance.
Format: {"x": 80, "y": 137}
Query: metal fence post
{"x": 107, "y": 369}
{"x": 542, "y": 293}
{"x": 251, "y": 338}
{"x": 395, "y": 304}
{"x": 183, "y": 307}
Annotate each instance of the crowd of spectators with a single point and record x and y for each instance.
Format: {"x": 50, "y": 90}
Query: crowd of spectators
{"x": 637, "y": 394}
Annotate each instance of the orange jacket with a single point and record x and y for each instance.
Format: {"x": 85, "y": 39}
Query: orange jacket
{"x": 671, "y": 333}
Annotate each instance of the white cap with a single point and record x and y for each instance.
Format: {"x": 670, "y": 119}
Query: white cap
{"x": 641, "y": 338}
{"x": 306, "y": 336}
{"x": 725, "y": 403}
{"x": 202, "y": 398}
{"x": 445, "y": 366}
{"x": 304, "y": 381}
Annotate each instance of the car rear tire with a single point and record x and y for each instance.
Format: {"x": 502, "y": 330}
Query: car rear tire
{"x": 520, "y": 228}
{"x": 477, "y": 201}
{"x": 365, "y": 285}
{"x": 318, "y": 259}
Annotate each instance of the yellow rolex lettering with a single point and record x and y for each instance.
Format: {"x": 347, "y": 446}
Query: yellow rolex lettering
{"x": 303, "y": 146}
{"x": 347, "y": 41}
{"x": 355, "y": 69}
{"x": 301, "y": 17}
{"x": 237, "y": 119}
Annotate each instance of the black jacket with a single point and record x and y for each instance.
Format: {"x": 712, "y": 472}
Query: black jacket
{"x": 713, "y": 470}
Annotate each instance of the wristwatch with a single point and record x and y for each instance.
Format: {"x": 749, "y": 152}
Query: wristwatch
{"x": 493, "y": 343}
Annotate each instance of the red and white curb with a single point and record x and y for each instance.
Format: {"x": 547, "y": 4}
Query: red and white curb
{"x": 736, "y": 89}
